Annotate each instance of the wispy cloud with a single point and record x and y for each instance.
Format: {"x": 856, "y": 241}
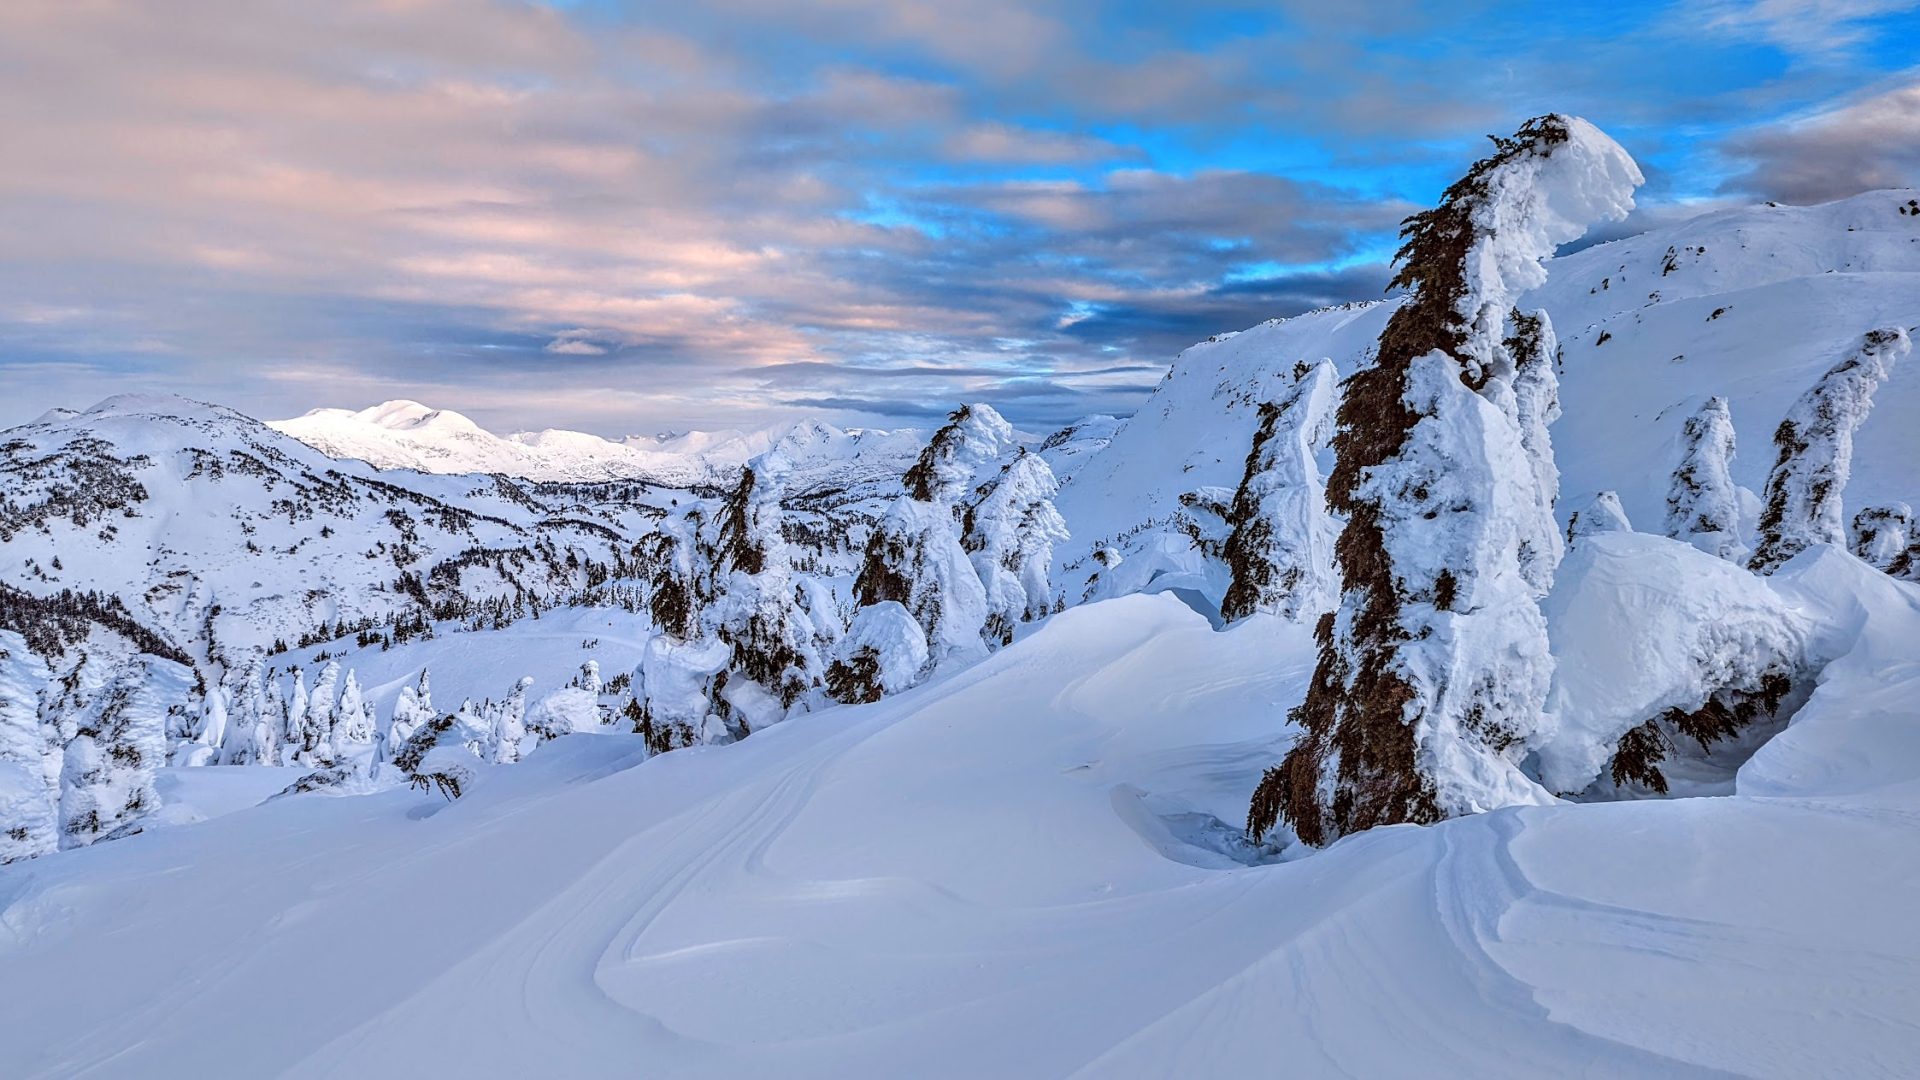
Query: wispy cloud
{"x": 627, "y": 216}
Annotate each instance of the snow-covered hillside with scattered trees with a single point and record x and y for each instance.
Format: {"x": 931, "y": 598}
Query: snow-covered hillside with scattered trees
{"x": 1516, "y": 676}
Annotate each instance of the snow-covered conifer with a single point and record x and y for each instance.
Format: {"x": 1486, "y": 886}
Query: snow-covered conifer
{"x": 1534, "y": 349}
{"x": 973, "y": 437}
{"x": 300, "y": 736}
{"x": 1802, "y": 504}
{"x": 509, "y": 724}
{"x": 589, "y": 678}
{"x": 445, "y": 752}
{"x": 323, "y": 700}
{"x": 1703, "y": 506}
{"x": 678, "y": 685}
{"x": 412, "y": 710}
{"x": 119, "y": 721}
{"x": 1883, "y": 537}
{"x": 1010, "y": 533}
{"x": 240, "y": 746}
{"x": 1601, "y": 514}
{"x": 883, "y": 652}
{"x": 915, "y": 559}
{"x": 1433, "y": 672}
{"x": 30, "y": 756}
{"x": 1280, "y": 550}
{"x": 755, "y": 605}
{"x": 353, "y": 730}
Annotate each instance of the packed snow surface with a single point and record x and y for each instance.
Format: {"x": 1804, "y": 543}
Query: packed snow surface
{"x": 1029, "y": 869}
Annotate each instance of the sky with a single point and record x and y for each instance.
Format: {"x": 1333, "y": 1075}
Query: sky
{"x": 627, "y": 217}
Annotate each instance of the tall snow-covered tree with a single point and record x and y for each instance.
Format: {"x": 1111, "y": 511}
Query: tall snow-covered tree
{"x": 1802, "y": 504}
{"x": 509, "y": 724}
{"x": 271, "y": 730}
{"x": 915, "y": 558}
{"x": 353, "y": 730}
{"x": 756, "y": 606}
{"x": 1703, "y": 506}
{"x": 412, "y": 710}
{"x": 1280, "y": 549}
{"x": 118, "y": 714}
{"x": 683, "y": 668}
{"x": 30, "y": 755}
{"x": 1433, "y": 672}
{"x": 1010, "y": 533}
{"x": 1533, "y": 351}
{"x": 241, "y": 744}
{"x": 973, "y": 437}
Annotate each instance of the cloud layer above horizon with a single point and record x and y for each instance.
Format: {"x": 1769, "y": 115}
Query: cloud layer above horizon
{"x": 623, "y": 217}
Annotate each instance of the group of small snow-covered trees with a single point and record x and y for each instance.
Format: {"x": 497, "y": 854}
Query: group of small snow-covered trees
{"x": 1434, "y": 669}
{"x": 327, "y": 726}
{"x": 959, "y": 560}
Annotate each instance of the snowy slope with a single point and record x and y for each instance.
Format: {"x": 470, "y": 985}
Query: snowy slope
{"x": 1752, "y": 305}
{"x": 222, "y": 535}
{"x": 1014, "y": 872}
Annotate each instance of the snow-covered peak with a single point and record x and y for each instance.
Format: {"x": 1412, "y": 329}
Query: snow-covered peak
{"x": 405, "y": 434}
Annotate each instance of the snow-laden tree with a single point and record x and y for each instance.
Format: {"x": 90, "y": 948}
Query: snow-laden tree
{"x": 1601, "y": 514}
{"x": 412, "y": 710}
{"x": 883, "y": 652}
{"x": 1883, "y": 537}
{"x": 678, "y": 686}
{"x": 973, "y": 437}
{"x": 563, "y": 712}
{"x": 446, "y": 752}
{"x": 682, "y": 669}
{"x": 117, "y": 712}
{"x": 353, "y": 730}
{"x": 1703, "y": 506}
{"x": 270, "y": 732}
{"x": 1280, "y": 549}
{"x": 1534, "y": 351}
{"x": 1802, "y": 503}
{"x": 1433, "y": 672}
{"x": 676, "y": 578}
{"x": 242, "y": 739}
{"x": 589, "y": 678}
{"x": 756, "y": 605}
{"x": 1010, "y": 533}
{"x": 301, "y": 737}
{"x": 30, "y": 756}
{"x": 509, "y": 741}
{"x": 201, "y": 732}
{"x": 322, "y": 711}
{"x": 914, "y": 558}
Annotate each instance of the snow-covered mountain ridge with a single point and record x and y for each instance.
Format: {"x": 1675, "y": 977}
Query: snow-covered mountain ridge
{"x": 408, "y": 435}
